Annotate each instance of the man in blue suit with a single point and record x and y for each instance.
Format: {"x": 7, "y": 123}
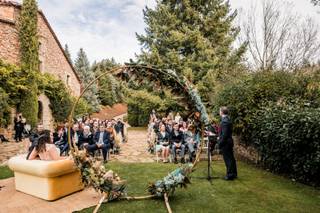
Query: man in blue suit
{"x": 102, "y": 141}
{"x": 225, "y": 144}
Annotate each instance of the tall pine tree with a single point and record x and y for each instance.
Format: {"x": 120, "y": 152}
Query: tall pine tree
{"x": 66, "y": 50}
{"x": 194, "y": 38}
{"x": 82, "y": 66}
{"x": 29, "y": 51}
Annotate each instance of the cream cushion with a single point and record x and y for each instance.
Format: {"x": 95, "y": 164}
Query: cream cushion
{"x": 48, "y": 180}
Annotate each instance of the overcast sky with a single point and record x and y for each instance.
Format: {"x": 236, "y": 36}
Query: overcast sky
{"x": 106, "y": 28}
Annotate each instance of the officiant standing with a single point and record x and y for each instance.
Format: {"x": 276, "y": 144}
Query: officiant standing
{"x": 225, "y": 144}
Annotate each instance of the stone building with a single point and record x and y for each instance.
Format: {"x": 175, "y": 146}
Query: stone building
{"x": 52, "y": 57}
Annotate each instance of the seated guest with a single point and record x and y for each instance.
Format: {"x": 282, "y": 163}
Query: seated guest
{"x": 86, "y": 137}
{"x": 44, "y": 149}
{"x": 112, "y": 134}
{"x": 33, "y": 139}
{"x": 58, "y": 138}
{"x": 163, "y": 143}
{"x": 190, "y": 142}
{"x": 169, "y": 126}
{"x": 102, "y": 141}
{"x": 75, "y": 135}
{"x": 119, "y": 127}
{"x": 176, "y": 140}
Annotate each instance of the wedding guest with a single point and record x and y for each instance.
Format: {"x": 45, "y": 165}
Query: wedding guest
{"x": 102, "y": 141}
{"x": 163, "y": 144}
{"x": 86, "y": 137}
{"x": 33, "y": 139}
{"x": 119, "y": 127}
{"x": 18, "y": 127}
{"x": 225, "y": 144}
{"x": 177, "y": 118}
{"x": 176, "y": 139}
{"x": 189, "y": 139}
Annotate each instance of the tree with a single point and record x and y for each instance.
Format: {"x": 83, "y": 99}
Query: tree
{"x": 316, "y": 2}
{"x": 66, "y": 50}
{"x": 29, "y": 51}
{"x": 109, "y": 89}
{"x": 194, "y": 38}
{"x": 279, "y": 39}
{"x": 82, "y": 66}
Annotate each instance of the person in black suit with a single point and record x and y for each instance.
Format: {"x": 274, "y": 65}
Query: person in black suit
{"x": 102, "y": 141}
{"x": 176, "y": 139}
{"x": 225, "y": 144}
{"x": 18, "y": 127}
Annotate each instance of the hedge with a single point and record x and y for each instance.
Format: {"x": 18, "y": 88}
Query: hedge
{"x": 288, "y": 140}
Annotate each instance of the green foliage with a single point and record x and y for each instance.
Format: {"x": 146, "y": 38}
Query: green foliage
{"x": 29, "y": 104}
{"x": 288, "y": 138}
{"x": 192, "y": 36}
{"x": 61, "y": 101}
{"x": 4, "y": 108}
{"x": 29, "y": 51}
{"x": 286, "y": 135}
{"x": 28, "y": 36}
{"x": 82, "y": 66}
{"x": 142, "y": 102}
{"x": 13, "y": 81}
{"x": 5, "y": 172}
{"x": 109, "y": 89}
{"x": 249, "y": 94}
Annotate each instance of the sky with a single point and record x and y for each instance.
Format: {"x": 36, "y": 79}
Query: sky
{"x": 107, "y": 28}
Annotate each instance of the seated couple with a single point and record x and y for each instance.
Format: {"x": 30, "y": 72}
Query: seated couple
{"x": 101, "y": 140}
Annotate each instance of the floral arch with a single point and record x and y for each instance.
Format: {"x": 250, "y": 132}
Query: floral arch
{"x": 93, "y": 172}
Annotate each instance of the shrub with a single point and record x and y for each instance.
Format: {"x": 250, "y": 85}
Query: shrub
{"x": 4, "y": 108}
{"x": 288, "y": 140}
{"x": 61, "y": 101}
{"x": 140, "y": 104}
{"x": 248, "y": 95}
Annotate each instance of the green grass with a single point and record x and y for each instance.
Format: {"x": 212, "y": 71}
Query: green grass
{"x": 254, "y": 191}
{"x": 5, "y": 172}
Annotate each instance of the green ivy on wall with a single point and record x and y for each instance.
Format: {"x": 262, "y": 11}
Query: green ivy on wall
{"x": 29, "y": 51}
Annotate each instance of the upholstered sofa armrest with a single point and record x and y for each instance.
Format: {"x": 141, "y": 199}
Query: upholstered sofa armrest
{"x": 41, "y": 168}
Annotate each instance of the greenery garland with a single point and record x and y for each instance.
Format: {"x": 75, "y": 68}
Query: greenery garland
{"x": 109, "y": 184}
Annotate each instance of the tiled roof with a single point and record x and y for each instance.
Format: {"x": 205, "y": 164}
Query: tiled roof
{"x": 108, "y": 112}
{"x": 18, "y": 5}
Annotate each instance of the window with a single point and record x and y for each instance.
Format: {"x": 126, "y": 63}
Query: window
{"x": 68, "y": 77}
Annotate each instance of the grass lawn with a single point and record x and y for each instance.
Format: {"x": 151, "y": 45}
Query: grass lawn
{"x": 5, "y": 172}
{"x": 254, "y": 191}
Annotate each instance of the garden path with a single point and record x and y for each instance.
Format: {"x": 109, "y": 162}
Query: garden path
{"x": 134, "y": 151}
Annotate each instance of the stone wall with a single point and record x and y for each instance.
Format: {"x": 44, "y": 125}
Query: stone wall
{"x": 9, "y": 40}
{"x": 47, "y": 119}
{"x": 51, "y": 55}
{"x": 53, "y": 60}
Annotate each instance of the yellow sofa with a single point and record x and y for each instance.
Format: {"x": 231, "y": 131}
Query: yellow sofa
{"x": 48, "y": 180}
